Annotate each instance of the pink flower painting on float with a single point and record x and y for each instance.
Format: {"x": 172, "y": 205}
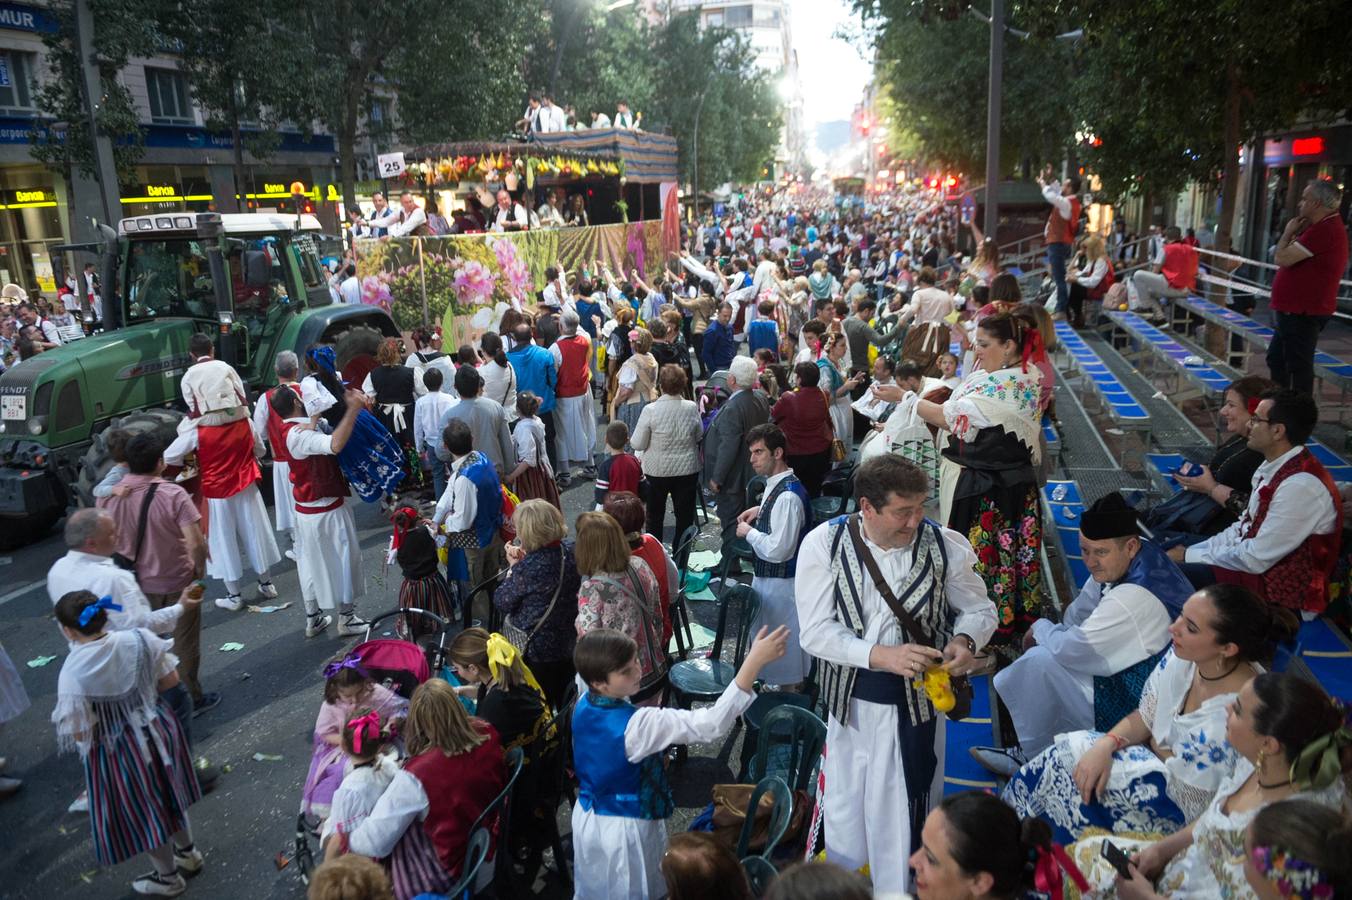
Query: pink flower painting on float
{"x": 515, "y": 276}
{"x": 474, "y": 283}
{"x": 375, "y": 292}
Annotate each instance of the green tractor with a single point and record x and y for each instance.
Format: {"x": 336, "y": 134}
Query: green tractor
{"x": 253, "y": 281}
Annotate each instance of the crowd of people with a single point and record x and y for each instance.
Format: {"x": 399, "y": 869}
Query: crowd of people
{"x": 844, "y": 350}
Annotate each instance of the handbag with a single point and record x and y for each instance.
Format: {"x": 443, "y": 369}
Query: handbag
{"x": 123, "y": 562}
{"x": 519, "y": 637}
{"x": 838, "y": 449}
{"x": 961, "y": 685}
{"x": 730, "y": 803}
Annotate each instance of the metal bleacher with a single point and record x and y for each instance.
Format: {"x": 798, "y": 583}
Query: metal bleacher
{"x": 1188, "y": 364}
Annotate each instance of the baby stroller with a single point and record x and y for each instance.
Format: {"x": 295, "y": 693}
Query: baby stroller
{"x": 399, "y": 665}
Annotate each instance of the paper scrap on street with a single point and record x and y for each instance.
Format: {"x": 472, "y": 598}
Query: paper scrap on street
{"x": 267, "y": 757}
{"x": 701, "y": 637}
{"x": 705, "y": 595}
{"x": 231, "y": 646}
{"x": 703, "y": 559}
{"x": 267, "y": 609}
{"x": 40, "y": 661}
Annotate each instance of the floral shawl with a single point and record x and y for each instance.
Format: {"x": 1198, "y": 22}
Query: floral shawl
{"x": 1007, "y": 399}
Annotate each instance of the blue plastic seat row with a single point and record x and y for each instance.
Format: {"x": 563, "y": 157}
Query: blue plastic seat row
{"x": 1122, "y": 406}
{"x": 1261, "y": 334}
{"x": 1166, "y": 347}
{"x": 1066, "y": 514}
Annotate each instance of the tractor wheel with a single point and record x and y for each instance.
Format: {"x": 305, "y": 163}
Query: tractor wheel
{"x": 356, "y": 353}
{"x": 96, "y": 462}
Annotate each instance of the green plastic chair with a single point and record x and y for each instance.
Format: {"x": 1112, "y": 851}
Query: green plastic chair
{"x": 498, "y": 817}
{"x": 760, "y": 872}
{"x": 705, "y": 679}
{"x": 827, "y": 507}
{"x": 781, "y": 810}
{"x": 789, "y": 746}
{"x": 475, "y": 854}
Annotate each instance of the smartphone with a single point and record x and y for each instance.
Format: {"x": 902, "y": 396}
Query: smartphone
{"x": 1116, "y": 857}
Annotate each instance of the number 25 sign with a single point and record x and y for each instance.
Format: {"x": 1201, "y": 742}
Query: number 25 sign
{"x": 390, "y": 164}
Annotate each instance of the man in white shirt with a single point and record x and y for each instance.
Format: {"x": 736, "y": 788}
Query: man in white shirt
{"x": 350, "y": 288}
{"x": 268, "y": 426}
{"x": 329, "y": 567}
{"x": 29, "y": 315}
{"x": 1119, "y": 620}
{"x": 381, "y": 217}
{"x": 410, "y": 220}
{"x": 775, "y": 528}
{"x": 508, "y": 215}
{"x": 550, "y": 118}
{"x": 874, "y": 802}
{"x": 1284, "y": 546}
{"x": 623, "y": 118}
{"x": 91, "y": 536}
{"x": 599, "y": 119}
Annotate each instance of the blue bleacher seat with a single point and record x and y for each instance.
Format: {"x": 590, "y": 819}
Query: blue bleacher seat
{"x": 1121, "y": 405}
{"x": 1262, "y": 335}
{"x": 1205, "y": 375}
{"x": 1328, "y": 657}
{"x": 1066, "y": 514}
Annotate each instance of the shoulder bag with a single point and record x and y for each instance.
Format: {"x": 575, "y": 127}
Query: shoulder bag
{"x": 519, "y": 637}
{"x": 838, "y": 449}
{"x": 123, "y": 562}
{"x": 961, "y": 684}
{"x": 656, "y": 678}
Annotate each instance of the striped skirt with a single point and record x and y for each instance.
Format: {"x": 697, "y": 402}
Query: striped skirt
{"x": 137, "y": 799}
{"x": 431, "y": 594}
{"x": 536, "y": 484}
{"x": 415, "y": 867}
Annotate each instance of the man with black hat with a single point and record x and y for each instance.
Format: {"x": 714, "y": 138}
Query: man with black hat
{"x": 1119, "y": 620}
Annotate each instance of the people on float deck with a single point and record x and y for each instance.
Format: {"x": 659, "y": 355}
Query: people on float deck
{"x": 1158, "y": 768}
{"x": 228, "y": 451}
{"x": 1108, "y": 641}
{"x": 1298, "y": 848}
{"x": 883, "y": 735}
{"x": 775, "y": 529}
{"x": 974, "y": 846}
{"x": 329, "y": 564}
{"x": 1286, "y": 543}
{"x": 619, "y": 827}
{"x": 1293, "y": 742}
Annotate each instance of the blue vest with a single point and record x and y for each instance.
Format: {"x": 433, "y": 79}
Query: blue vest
{"x": 608, "y": 783}
{"x": 585, "y": 310}
{"x": 488, "y": 498}
{"x": 789, "y": 567}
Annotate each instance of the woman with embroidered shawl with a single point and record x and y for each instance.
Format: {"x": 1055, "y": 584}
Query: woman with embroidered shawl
{"x": 987, "y": 477}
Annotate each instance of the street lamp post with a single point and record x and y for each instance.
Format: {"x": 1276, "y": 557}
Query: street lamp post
{"x": 992, "y": 218}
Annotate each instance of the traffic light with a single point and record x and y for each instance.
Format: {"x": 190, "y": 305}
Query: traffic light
{"x": 864, "y": 125}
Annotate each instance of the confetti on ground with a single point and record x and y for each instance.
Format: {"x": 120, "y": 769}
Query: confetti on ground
{"x": 282, "y": 861}
{"x": 231, "y": 646}
{"x": 702, "y": 636}
{"x": 40, "y": 661}
{"x": 88, "y": 877}
{"x": 267, "y": 757}
{"x": 267, "y": 609}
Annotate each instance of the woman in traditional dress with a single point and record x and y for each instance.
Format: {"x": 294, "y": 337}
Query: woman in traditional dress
{"x": 636, "y": 383}
{"x": 1158, "y": 768}
{"x": 987, "y": 478}
{"x": 533, "y": 477}
{"x": 137, "y": 764}
{"x": 389, "y": 388}
{"x": 1293, "y": 742}
{"x": 371, "y": 460}
{"x": 837, "y": 386}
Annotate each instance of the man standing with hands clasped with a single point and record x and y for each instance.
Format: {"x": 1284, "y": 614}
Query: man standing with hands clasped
{"x": 882, "y": 770}
{"x": 1311, "y": 257}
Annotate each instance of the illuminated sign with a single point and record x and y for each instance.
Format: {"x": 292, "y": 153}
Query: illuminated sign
{"x": 160, "y": 190}
{"x": 1310, "y": 146}
{"x": 30, "y": 196}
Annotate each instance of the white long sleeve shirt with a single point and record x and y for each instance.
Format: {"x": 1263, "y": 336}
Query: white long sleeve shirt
{"x": 826, "y": 637}
{"x": 1300, "y": 507}
{"x": 186, "y": 443}
{"x": 459, "y": 502}
{"x": 405, "y": 223}
{"x": 80, "y": 571}
{"x": 786, "y": 521}
{"x": 306, "y": 442}
{"x": 1103, "y": 633}
{"x": 428, "y": 411}
{"x": 403, "y": 802}
{"x": 1052, "y": 194}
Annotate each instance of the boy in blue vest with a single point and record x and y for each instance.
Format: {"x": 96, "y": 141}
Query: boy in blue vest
{"x": 470, "y": 508}
{"x": 619, "y": 827}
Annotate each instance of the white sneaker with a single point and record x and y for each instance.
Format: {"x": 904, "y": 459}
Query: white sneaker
{"x": 233, "y": 603}
{"x": 79, "y": 804}
{"x": 316, "y": 623}
{"x": 351, "y": 623}
{"x": 267, "y": 590}
{"x": 290, "y": 554}
{"x": 188, "y": 862}
{"x": 160, "y": 885}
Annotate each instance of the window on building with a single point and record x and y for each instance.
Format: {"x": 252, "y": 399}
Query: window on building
{"x": 16, "y": 78}
{"x": 168, "y": 92}
{"x": 738, "y": 16}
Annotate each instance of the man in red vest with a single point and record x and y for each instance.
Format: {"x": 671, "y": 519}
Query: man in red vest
{"x": 1284, "y": 546}
{"x": 1059, "y": 233}
{"x": 574, "y": 417}
{"x": 219, "y": 431}
{"x": 268, "y": 426}
{"x": 1174, "y": 276}
{"x": 329, "y": 563}
{"x": 1311, "y": 256}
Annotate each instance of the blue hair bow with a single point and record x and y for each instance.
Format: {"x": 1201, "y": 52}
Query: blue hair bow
{"x": 89, "y": 612}
{"x": 325, "y": 358}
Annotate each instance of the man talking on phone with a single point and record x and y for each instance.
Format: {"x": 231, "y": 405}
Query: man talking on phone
{"x": 1311, "y": 256}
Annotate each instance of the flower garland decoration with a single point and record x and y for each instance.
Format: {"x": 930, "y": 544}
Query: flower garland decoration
{"x": 1295, "y": 878}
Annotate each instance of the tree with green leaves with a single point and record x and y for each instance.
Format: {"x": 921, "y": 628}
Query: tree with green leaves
{"x": 591, "y": 57}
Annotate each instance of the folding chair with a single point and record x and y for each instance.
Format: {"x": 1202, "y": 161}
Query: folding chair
{"x": 499, "y": 814}
{"x": 781, "y": 810}
{"x": 760, "y": 872}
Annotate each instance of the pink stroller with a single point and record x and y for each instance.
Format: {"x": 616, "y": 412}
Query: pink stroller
{"x": 399, "y": 665}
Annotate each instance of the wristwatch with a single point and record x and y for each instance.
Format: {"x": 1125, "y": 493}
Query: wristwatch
{"x": 971, "y": 644}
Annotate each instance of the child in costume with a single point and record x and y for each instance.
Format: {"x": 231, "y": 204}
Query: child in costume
{"x": 371, "y": 768}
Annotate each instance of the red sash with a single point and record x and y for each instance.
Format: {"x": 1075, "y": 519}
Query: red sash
{"x": 1299, "y": 580}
